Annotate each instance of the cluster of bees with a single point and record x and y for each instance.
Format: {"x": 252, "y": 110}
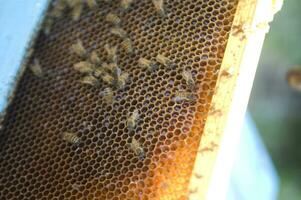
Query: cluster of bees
{"x": 75, "y": 8}
{"x": 94, "y": 70}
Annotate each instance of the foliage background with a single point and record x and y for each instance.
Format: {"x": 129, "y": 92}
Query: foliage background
{"x": 274, "y": 106}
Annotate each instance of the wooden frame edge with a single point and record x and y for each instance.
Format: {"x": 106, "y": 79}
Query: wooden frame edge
{"x": 231, "y": 97}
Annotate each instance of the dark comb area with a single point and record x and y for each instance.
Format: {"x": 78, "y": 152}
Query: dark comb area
{"x": 35, "y": 161}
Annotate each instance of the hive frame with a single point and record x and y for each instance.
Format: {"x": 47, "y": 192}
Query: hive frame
{"x": 214, "y": 160}
{"x": 227, "y": 95}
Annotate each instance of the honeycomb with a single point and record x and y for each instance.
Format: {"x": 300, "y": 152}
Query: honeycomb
{"x": 36, "y": 163}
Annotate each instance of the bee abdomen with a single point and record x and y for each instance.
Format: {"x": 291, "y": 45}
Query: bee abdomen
{"x": 71, "y": 138}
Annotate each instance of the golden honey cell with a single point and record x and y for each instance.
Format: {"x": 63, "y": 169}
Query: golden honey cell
{"x": 36, "y": 163}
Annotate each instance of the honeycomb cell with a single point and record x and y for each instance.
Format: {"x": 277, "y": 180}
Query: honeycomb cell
{"x": 36, "y": 163}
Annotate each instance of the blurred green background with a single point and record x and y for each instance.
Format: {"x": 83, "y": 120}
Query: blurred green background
{"x": 274, "y": 106}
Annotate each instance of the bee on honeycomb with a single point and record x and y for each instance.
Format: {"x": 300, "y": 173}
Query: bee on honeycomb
{"x": 107, "y": 78}
{"x": 184, "y": 96}
{"x": 111, "y": 52}
{"x": 132, "y": 120}
{"x": 91, "y": 4}
{"x": 113, "y": 19}
{"x": 83, "y": 67}
{"x": 79, "y": 49}
{"x": 147, "y": 64}
{"x": 76, "y": 9}
{"x": 71, "y": 138}
{"x": 159, "y": 6}
{"x": 119, "y": 32}
{"x": 125, "y": 4}
{"x": 166, "y": 62}
{"x": 121, "y": 80}
{"x": 137, "y": 149}
{"x": 89, "y": 80}
{"x": 108, "y": 95}
{"x": 188, "y": 78}
{"x": 36, "y": 68}
{"x": 94, "y": 59}
{"x": 127, "y": 45}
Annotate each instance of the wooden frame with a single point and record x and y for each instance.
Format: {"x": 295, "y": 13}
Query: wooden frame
{"x": 221, "y": 132}
{"x": 212, "y": 167}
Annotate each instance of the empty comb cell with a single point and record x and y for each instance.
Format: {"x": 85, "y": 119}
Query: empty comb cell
{"x": 106, "y": 123}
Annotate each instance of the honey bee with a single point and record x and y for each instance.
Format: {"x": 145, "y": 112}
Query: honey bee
{"x": 293, "y": 78}
{"x": 165, "y": 61}
{"x": 36, "y": 68}
{"x": 188, "y": 78}
{"x": 118, "y": 32}
{"x": 147, "y": 64}
{"x": 132, "y": 120}
{"x": 113, "y": 18}
{"x": 122, "y": 80}
{"x": 107, "y": 78}
{"x": 126, "y": 44}
{"x": 48, "y": 23}
{"x": 98, "y": 72}
{"x": 115, "y": 70}
{"x": 56, "y": 13}
{"x": 137, "y": 149}
{"x": 125, "y": 4}
{"x": 94, "y": 58}
{"x": 79, "y": 49}
{"x": 109, "y": 67}
{"x": 58, "y": 9}
{"x": 91, "y": 4}
{"x": 71, "y": 138}
{"x": 159, "y": 6}
{"x": 90, "y": 80}
{"x": 108, "y": 95}
{"x": 73, "y": 3}
{"x": 83, "y": 67}
{"x": 112, "y": 52}
{"x": 77, "y": 10}
{"x": 184, "y": 96}
{"x": 76, "y": 7}
{"x": 61, "y": 4}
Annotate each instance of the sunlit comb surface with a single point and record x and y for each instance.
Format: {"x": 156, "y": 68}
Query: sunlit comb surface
{"x": 37, "y": 163}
